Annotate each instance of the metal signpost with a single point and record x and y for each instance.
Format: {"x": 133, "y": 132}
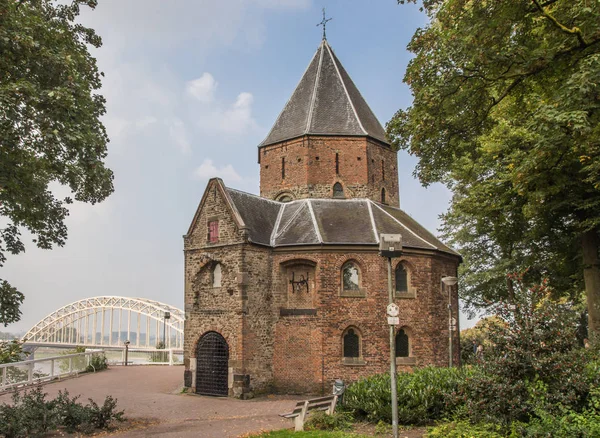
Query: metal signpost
{"x": 449, "y": 282}
{"x": 390, "y": 245}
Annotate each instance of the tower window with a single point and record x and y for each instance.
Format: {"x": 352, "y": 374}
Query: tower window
{"x": 282, "y": 167}
{"x": 351, "y": 344}
{"x": 383, "y": 200}
{"x": 338, "y": 191}
{"x": 382, "y": 170}
{"x": 337, "y": 163}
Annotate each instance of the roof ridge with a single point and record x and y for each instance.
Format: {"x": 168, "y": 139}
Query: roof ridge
{"x": 314, "y": 220}
{"x": 345, "y": 88}
{"x": 285, "y": 226}
{"x": 253, "y": 195}
{"x": 404, "y": 226}
{"x": 276, "y": 226}
{"x": 313, "y": 98}
{"x": 373, "y": 224}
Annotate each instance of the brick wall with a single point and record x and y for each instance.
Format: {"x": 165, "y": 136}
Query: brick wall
{"x": 363, "y": 168}
{"x": 424, "y": 318}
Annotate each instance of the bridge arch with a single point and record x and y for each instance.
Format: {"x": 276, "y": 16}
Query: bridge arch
{"x": 108, "y": 321}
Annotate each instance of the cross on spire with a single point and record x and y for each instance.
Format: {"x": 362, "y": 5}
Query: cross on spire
{"x": 324, "y": 23}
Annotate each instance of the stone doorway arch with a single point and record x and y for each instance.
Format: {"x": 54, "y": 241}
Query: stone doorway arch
{"x": 212, "y": 365}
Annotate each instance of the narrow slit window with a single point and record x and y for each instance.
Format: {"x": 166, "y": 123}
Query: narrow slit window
{"x": 383, "y": 200}
{"x": 337, "y": 163}
{"x": 282, "y": 167}
{"x": 216, "y": 275}
{"x": 382, "y": 170}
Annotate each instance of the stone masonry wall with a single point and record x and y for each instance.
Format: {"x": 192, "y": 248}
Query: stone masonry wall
{"x": 209, "y": 308}
{"x": 310, "y": 168}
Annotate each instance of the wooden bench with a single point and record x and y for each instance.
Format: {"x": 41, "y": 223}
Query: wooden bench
{"x": 304, "y": 407}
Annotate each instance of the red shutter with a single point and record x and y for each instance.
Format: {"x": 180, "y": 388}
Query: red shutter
{"x": 213, "y": 231}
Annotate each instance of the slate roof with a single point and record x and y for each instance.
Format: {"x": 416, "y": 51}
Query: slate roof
{"x": 328, "y": 222}
{"x": 325, "y": 102}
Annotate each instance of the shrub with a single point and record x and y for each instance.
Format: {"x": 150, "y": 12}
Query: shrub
{"x": 31, "y": 414}
{"x": 423, "y": 395}
{"x": 102, "y": 416}
{"x": 323, "y": 421}
{"x": 464, "y": 429}
{"x": 536, "y": 342}
{"x": 97, "y": 362}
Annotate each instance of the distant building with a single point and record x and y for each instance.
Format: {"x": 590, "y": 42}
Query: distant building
{"x": 286, "y": 291}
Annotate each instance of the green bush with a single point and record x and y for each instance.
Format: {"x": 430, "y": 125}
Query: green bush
{"x": 30, "y": 414}
{"x": 98, "y": 362}
{"x": 423, "y": 395}
{"x": 322, "y": 421}
{"x": 464, "y": 429}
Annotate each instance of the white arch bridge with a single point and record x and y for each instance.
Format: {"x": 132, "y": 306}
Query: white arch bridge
{"x": 107, "y": 322}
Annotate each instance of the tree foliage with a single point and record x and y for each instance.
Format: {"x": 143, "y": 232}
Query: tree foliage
{"x": 506, "y": 113}
{"x": 531, "y": 346}
{"x": 50, "y": 128}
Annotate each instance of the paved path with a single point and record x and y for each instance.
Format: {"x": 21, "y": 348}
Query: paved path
{"x": 154, "y": 392}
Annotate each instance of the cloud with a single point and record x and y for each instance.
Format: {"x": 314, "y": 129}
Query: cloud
{"x": 178, "y": 134}
{"x": 208, "y": 170}
{"x": 203, "y": 88}
{"x": 238, "y": 118}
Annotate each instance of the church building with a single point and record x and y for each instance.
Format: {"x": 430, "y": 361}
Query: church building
{"x": 286, "y": 292}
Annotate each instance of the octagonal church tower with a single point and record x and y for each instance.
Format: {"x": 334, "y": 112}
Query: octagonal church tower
{"x": 286, "y": 291}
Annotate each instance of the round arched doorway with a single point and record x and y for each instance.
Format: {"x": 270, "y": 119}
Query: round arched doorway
{"x": 212, "y": 365}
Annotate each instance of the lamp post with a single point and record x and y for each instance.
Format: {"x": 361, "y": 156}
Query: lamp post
{"x": 390, "y": 245}
{"x": 449, "y": 282}
{"x": 167, "y": 315}
{"x": 126, "y": 352}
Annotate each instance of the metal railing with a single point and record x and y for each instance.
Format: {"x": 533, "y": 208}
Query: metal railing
{"x": 29, "y": 372}
{"x": 146, "y": 357}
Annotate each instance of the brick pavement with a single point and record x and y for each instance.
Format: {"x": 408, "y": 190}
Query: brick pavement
{"x": 154, "y": 393}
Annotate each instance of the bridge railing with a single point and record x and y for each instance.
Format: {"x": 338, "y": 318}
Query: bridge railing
{"x": 145, "y": 356}
{"x": 29, "y": 372}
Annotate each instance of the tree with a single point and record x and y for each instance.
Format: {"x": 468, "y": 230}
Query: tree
{"x": 50, "y": 128}
{"x": 506, "y": 113}
{"x": 531, "y": 343}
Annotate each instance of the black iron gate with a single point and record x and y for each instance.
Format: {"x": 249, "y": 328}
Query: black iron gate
{"x": 212, "y": 360}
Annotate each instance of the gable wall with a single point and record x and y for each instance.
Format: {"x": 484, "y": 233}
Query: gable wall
{"x": 209, "y": 308}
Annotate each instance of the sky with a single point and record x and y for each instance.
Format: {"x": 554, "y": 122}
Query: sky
{"x": 192, "y": 88}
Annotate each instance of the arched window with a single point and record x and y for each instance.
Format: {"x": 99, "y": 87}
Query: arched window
{"x": 351, "y": 343}
{"x": 383, "y": 200}
{"x": 338, "y": 190}
{"x": 401, "y": 279}
{"x": 402, "y": 344}
{"x": 285, "y": 198}
{"x": 350, "y": 277}
{"x": 216, "y": 275}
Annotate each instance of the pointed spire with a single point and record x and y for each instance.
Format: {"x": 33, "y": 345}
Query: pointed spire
{"x": 325, "y": 102}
